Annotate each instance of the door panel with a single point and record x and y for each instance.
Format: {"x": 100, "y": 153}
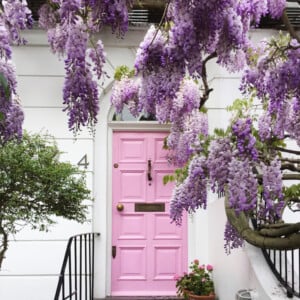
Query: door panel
{"x": 149, "y": 249}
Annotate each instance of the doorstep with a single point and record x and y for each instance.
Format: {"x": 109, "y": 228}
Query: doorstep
{"x": 141, "y": 298}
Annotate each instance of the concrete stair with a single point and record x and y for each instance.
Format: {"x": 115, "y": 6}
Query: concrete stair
{"x": 141, "y": 298}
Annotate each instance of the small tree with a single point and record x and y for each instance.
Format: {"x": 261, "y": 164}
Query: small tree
{"x": 35, "y": 186}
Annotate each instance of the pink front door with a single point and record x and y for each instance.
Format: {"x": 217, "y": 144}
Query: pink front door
{"x": 147, "y": 250}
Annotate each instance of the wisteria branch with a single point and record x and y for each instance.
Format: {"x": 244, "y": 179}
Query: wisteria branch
{"x": 161, "y": 21}
{"x": 290, "y": 167}
{"x": 289, "y": 26}
{"x": 207, "y": 90}
{"x": 287, "y": 150}
{"x": 290, "y": 160}
{"x": 288, "y": 241}
{"x": 287, "y": 229}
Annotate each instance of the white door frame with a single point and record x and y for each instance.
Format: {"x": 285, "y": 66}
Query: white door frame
{"x": 102, "y": 186}
{"x": 120, "y": 126}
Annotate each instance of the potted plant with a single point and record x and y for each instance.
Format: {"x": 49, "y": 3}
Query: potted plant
{"x": 197, "y": 284}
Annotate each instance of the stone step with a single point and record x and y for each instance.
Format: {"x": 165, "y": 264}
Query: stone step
{"x": 141, "y": 298}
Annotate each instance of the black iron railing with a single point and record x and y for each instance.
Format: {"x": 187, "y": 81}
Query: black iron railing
{"x": 76, "y": 279}
{"x": 286, "y": 267}
{"x": 285, "y": 264}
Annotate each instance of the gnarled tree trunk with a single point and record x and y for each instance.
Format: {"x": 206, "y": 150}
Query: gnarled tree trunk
{"x": 279, "y": 236}
{"x": 3, "y": 243}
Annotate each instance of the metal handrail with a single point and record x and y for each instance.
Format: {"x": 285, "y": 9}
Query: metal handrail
{"x": 285, "y": 264}
{"x": 78, "y": 282}
{"x": 286, "y": 270}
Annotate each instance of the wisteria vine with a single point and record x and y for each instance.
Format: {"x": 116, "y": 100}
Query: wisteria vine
{"x": 170, "y": 82}
{"x": 14, "y": 17}
{"x": 243, "y": 160}
{"x": 71, "y": 26}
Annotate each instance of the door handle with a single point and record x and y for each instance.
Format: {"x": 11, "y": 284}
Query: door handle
{"x": 113, "y": 251}
{"x": 120, "y": 206}
{"x": 149, "y": 175}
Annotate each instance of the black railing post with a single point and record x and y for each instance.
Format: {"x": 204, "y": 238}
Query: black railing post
{"x": 80, "y": 267}
{"x": 293, "y": 273}
{"x": 299, "y": 271}
{"x": 84, "y": 256}
{"x": 93, "y": 265}
{"x": 85, "y": 267}
{"x": 75, "y": 268}
{"x": 90, "y": 266}
{"x": 70, "y": 273}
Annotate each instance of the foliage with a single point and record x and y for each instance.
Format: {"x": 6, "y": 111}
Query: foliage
{"x": 248, "y": 159}
{"x": 199, "y": 281}
{"x": 35, "y": 187}
{"x": 123, "y": 71}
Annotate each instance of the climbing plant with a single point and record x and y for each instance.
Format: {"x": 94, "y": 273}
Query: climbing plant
{"x": 249, "y": 160}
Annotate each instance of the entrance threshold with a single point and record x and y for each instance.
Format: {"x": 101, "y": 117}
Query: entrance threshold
{"x": 141, "y": 298}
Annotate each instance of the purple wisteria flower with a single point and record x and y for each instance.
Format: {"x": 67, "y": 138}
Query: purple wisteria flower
{"x": 48, "y": 16}
{"x": 14, "y": 17}
{"x": 115, "y": 14}
{"x": 219, "y": 158}
{"x": 11, "y": 125}
{"x": 276, "y": 7}
{"x": 125, "y": 92}
{"x": 5, "y": 47}
{"x": 186, "y": 99}
{"x": 270, "y": 209}
{"x": 71, "y": 26}
{"x": 293, "y": 120}
{"x": 242, "y": 185}
{"x": 191, "y": 194}
{"x": 264, "y": 127}
{"x": 17, "y": 17}
{"x": 185, "y": 136}
{"x": 80, "y": 100}
{"x": 266, "y": 77}
{"x": 96, "y": 56}
{"x": 232, "y": 238}
{"x": 241, "y": 129}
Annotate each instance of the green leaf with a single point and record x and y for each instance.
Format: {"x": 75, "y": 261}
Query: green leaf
{"x": 219, "y": 132}
{"x": 203, "y": 109}
{"x": 123, "y": 71}
{"x": 166, "y": 179}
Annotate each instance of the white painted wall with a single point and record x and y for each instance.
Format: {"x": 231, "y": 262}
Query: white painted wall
{"x": 30, "y": 271}
{"x": 34, "y": 259}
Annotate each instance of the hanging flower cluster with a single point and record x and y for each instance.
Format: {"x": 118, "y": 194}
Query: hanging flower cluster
{"x": 14, "y": 17}
{"x": 219, "y": 158}
{"x": 169, "y": 65}
{"x": 274, "y": 77}
{"x": 272, "y": 201}
{"x": 232, "y": 238}
{"x": 229, "y": 164}
{"x": 245, "y": 140}
{"x": 192, "y": 193}
{"x": 71, "y": 25}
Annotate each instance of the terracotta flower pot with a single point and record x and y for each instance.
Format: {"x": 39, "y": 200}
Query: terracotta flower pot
{"x": 196, "y": 297}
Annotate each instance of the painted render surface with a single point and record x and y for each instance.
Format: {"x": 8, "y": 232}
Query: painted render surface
{"x": 34, "y": 259}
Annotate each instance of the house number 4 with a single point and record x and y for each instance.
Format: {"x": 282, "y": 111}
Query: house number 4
{"x": 83, "y": 162}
